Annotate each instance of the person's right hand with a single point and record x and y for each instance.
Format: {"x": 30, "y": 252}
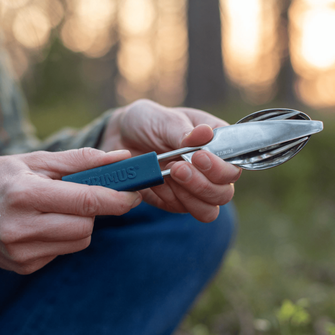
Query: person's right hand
{"x": 41, "y": 216}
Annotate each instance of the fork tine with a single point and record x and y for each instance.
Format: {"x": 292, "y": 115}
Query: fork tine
{"x": 285, "y": 116}
{"x": 288, "y": 146}
{"x": 265, "y": 116}
{"x": 266, "y": 155}
{"x": 282, "y": 116}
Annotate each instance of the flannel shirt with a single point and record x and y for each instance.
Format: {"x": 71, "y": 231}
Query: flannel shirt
{"x": 17, "y": 135}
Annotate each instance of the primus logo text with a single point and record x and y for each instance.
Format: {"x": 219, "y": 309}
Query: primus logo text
{"x": 112, "y": 177}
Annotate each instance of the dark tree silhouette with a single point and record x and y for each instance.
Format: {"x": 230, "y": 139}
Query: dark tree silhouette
{"x": 205, "y": 80}
{"x": 108, "y": 86}
{"x": 286, "y": 76}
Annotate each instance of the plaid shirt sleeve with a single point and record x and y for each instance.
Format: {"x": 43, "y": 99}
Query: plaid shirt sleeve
{"x": 17, "y": 134}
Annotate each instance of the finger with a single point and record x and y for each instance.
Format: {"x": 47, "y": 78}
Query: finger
{"x": 50, "y": 227}
{"x": 199, "y": 209}
{"x": 192, "y": 180}
{"x": 163, "y": 197}
{"x": 200, "y": 135}
{"x": 36, "y": 264}
{"x": 58, "y": 164}
{"x": 152, "y": 125}
{"x": 26, "y": 268}
{"x": 174, "y": 126}
{"x": 55, "y": 196}
{"x": 215, "y": 169}
{"x": 200, "y": 117}
{"x": 26, "y": 253}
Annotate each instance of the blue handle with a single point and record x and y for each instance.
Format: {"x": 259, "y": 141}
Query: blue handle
{"x": 131, "y": 174}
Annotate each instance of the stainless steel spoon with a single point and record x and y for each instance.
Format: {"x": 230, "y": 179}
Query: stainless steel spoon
{"x": 279, "y": 153}
{"x": 275, "y": 155}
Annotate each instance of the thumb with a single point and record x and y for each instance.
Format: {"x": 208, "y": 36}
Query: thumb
{"x": 200, "y": 135}
{"x": 57, "y": 164}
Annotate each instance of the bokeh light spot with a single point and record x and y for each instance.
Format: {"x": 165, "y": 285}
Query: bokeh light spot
{"x": 14, "y": 3}
{"x": 317, "y": 35}
{"x": 75, "y": 36}
{"x": 136, "y": 16}
{"x": 31, "y": 27}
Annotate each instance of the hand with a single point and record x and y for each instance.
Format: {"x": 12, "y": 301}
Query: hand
{"x": 196, "y": 188}
{"x": 41, "y": 216}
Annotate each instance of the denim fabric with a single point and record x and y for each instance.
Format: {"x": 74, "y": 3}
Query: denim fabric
{"x": 139, "y": 276}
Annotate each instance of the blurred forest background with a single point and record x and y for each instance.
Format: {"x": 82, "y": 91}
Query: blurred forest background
{"x": 77, "y": 58}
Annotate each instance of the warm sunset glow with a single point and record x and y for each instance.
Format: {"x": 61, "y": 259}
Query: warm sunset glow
{"x": 250, "y": 46}
{"x": 153, "y": 50}
{"x": 53, "y": 9}
{"x": 31, "y": 27}
{"x": 136, "y": 58}
{"x": 136, "y": 16}
{"x": 87, "y": 30}
{"x": 95, "y": 14}
{"x": 136, "y": 61}
{"x": 14, "y": 3}
{"x": 313, "y": 50}
{"x": 318, "y": 2}
{"x": 152, "y": 43}
{"x": 244, "y": 17}
{"x": 171, "y": 49}
{"x": 76, "y": 36}
{"x": 318, "y": 32}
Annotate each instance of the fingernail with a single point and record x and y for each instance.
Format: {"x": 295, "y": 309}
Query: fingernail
{"x": 202, "y": 161}
{"x": 183, "y": 173}
{"x": 237, "y": 171}
{"x": 136, "y": 202}
{"x": 117, "y": 151}
{"x": 187, "y": 135}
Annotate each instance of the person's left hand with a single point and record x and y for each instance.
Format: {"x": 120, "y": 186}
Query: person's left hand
{"x": 198, "y": 188}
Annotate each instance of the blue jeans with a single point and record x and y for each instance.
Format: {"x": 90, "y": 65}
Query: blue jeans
{"x": 139, "y": 276}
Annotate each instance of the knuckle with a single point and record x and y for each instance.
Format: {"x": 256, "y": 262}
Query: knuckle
{"x": 18, "y": 195}
{"x": 206, "y": 190}
{"x": 90, "y": 204}
{"x": 38, "y": 159}
{"x": 185, "y": 198}
{"x": 175, "y": 206}
{"x": 140, "y": 104}
{"x": 216, "y": 197}
{"x": 8, "y": 234}
{"x": 16, "y": 255}
{"x": 77, "y": 156}
{"x": 88, "y": 153}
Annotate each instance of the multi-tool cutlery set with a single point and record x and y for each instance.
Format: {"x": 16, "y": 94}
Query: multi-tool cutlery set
{"x": 259, "y": 141}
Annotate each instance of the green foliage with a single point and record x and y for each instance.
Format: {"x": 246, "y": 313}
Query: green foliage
{"x": 292, "y": 314}
{"x": 49, "y": 118}
{"x": 330, "y": 328}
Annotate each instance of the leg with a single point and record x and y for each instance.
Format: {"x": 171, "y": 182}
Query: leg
{"x": 139, "y": 276}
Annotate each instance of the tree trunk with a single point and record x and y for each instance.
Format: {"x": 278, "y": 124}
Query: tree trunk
{"x": 286, "y": 75}
{"x": 205, "y": 79}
